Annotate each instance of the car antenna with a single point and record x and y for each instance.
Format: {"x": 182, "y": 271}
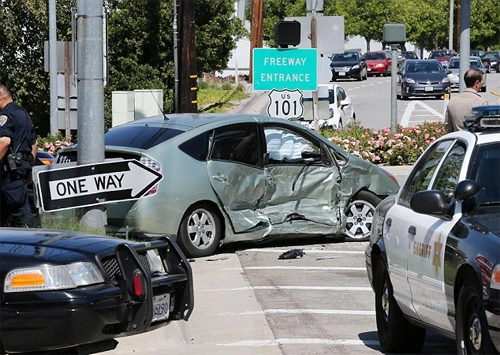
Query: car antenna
{"x": 161, "y": 109}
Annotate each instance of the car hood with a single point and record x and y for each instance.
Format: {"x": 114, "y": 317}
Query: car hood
{"x": 488, "y": 221}
{"x": 28, "y": 246}
{"x": 426, "y": 76}
{"x": 343, "y": 64}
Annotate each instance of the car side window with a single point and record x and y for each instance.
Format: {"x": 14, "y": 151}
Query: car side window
{"x": 236, "y": 143}
{"x": 447, "y": 177}
{"x": 284, "y": 146}
{"x": 421, "y": 176}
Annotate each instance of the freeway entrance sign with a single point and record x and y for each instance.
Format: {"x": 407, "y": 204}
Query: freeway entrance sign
{"x": 94, "y": 184}
{"x": 285, "y": 69}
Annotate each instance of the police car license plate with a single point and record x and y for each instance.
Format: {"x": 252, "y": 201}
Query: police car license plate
{"x": 161, "y": 306}
{"x": 429, "y": 88}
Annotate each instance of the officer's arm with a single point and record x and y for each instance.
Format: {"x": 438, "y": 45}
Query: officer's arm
{"x": 4, "y": 146}
{"x": 34, "y": 148}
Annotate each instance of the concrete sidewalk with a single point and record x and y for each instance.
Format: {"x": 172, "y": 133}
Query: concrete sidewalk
{"x": 220, "y": 323}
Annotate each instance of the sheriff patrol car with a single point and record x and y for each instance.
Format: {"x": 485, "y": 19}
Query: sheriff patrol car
{"x": 433, "y": 258}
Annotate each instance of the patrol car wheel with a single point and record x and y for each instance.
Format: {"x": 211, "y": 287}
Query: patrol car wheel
{"x": 200, "y": 231}
{"x": 472, "y": 328}
{"x": 395, "y": 333}
{"x": 360, "y": 216}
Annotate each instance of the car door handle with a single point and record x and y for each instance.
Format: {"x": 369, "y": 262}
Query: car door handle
{"x": 219, "y": 177}
{"x": 412, "y": 230}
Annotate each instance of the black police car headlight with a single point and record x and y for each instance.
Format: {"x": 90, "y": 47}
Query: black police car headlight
{"x": 52, "y": 277}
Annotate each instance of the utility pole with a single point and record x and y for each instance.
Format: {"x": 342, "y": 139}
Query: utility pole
{"x": 53, "y": 67}
{"x": 464, "y": 41}
{"x": 256, "y": 35}
{"x": 188, "y": 86}
{"x": 90, "y": 91}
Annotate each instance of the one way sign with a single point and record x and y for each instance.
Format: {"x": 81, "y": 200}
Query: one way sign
{"x": 94, "y": 184}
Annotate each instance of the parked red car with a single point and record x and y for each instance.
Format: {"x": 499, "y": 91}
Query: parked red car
{"x": 442, "y": 56}
{"x": 378, "y": 63}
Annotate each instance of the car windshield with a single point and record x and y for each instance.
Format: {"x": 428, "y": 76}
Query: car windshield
{"x": 454, "y": 64}
{"x": 139, "y": 136}
{"x": 409, "y": 55}
{"x": 491, "y": 56}
{"x": 345, "y": 57}
{"x": 424, "y": 67}
{"x": 374, "y": 56}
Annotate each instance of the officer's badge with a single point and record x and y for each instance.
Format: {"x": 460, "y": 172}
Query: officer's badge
{"x": 3, "y": 120}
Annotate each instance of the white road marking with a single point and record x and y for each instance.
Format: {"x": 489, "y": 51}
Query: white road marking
{"x": 305, "y": 341}
{"x": 405, "y": 120}
{"x": 307, "y": 251}
{"x": 297, "y": 288}
{"x": 316, "y": 268}
{"x": 345, "y": 312}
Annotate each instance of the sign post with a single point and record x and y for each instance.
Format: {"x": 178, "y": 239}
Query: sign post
{"x": 94, "y": 184}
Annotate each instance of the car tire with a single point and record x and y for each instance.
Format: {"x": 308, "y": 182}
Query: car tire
{"x": 403, "y": 96}
{"x": 396, "y": 334}
{"x": 200, "y": 231}
{"x": 471, "y": 321}
{"x": 360, "y": 216}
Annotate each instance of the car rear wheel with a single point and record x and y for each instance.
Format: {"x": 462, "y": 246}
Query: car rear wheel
{"x": 360, "y": 216}
{"x": 395, "y": 333}
{"x": 472, "y": 328}
{"x": 200, "y": 231}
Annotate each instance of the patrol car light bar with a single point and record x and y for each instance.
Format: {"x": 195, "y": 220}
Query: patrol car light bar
{"x": 490, "y": 122}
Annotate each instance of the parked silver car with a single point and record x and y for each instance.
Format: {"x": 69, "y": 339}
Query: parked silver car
{"x": 454, "y": 71}
{"x": 237, "y": 177}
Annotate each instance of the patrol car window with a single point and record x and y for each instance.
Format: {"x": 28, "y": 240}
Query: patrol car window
{"x": 138, "y": 136}
{"x": 421, "y": 176}
{"x": 237, "y": 143}
{"x": 447, "y": 177}
{"x": 485, "y": 169}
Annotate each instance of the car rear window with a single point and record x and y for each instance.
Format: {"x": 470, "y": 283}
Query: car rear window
{"x": 138, "y": 136}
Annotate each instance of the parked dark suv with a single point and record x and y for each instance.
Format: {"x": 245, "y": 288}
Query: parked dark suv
{"x": 348, "y": 65}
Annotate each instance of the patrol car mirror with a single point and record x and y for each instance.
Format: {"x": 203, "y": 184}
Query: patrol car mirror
{"x": 466, "y": 189}
{"x": 429, "y": 202}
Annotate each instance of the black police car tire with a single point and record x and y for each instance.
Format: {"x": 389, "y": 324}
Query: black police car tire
{"x": 471, "y": 315}
{"x": 359, "y": 204}
{"x": 395, "y": 333}
{"x": 200, "y": 231}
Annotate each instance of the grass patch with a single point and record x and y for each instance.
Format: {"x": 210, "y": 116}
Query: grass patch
{"x": 218, "y": 97}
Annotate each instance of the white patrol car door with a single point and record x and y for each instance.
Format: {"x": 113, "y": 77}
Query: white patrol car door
{"x": 428, "y": 235}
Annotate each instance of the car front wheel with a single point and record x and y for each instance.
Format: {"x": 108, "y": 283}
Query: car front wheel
{"x": 395, "y": 333}
{"x": 360, "y": 216}
{"x": 200, "y": 231}
{"x": 472, "y": 328}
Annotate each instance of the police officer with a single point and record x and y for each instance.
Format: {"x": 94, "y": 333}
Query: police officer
{"x": 17, "y": 153}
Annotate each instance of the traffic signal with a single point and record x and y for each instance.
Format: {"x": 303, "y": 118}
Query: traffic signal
{"x": 287, "y": 33}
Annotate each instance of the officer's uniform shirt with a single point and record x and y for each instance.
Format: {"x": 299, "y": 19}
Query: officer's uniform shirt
{"x": 16, "y": 124}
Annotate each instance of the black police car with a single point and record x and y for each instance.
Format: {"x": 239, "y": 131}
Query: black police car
{"x": 75, "y": 292}
{"x": 434, "y": 254}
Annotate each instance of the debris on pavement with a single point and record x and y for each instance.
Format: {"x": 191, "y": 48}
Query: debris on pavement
{"x": 292, "y": 254}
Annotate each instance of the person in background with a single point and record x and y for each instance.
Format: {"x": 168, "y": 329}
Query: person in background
{"x": 17, "y": 154}
{"x": 460, "y": 106}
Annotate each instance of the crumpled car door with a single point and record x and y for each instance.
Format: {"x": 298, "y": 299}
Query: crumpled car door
{"x": 302, "y": 189}
{"x": 237, "y": 176}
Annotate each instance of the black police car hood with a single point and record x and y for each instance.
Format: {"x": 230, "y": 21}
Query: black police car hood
{"x": 35, "y": 246}
{"x": 489, "y": 222}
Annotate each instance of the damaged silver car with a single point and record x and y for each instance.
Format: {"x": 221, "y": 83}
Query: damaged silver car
{"x": 241, "y": 177}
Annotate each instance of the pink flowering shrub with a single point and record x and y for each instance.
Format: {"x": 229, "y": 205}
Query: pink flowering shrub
{"x": 384, "y": 147}
{"x": 52, "y": 144}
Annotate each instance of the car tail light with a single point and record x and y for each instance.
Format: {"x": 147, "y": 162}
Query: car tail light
{"x": 153, "y": 164}
{"x": 139, "y": 287}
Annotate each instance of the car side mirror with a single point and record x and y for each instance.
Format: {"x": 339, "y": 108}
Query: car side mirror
{"x": 466, "y": 189}
{"x": 429, "y": 202}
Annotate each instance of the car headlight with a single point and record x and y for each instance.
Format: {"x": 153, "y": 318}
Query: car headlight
{"x": 495, "y": 278}
{"x": 355, "y": 66}
{"x": 410, "y": 80}
{"x": 445, "y": 80}
{"x": 52, "y": 277}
